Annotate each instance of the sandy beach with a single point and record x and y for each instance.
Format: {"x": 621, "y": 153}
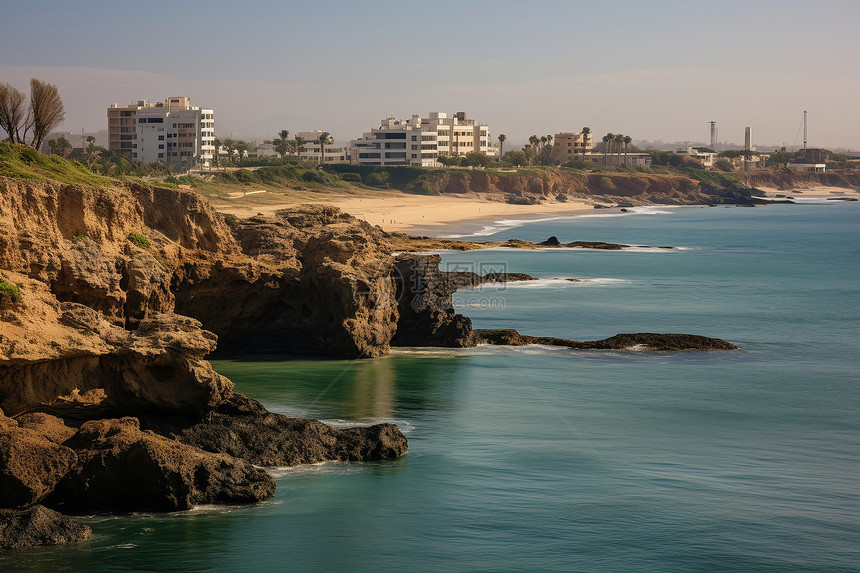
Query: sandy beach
{"x": 416, "y": 214}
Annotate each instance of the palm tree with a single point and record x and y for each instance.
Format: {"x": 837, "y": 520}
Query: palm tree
{"x": 607, "y": 141}
{"x": 502, "y": 138}
{"x": 281, "y": 143}
{"x": 300, "y": 141}
{"x": 325, "y": 137}
{"x": 585, "y": 132}
{"x": 627, "y": 141}
{"x": 619, "y": 139}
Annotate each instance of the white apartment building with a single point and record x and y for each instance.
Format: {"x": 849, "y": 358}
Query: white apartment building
{"x": 420, "y": 141}
{"x": 172, "y": 132}
{"x": 335, "y": 152}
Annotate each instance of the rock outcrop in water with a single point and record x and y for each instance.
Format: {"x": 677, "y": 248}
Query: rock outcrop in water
{"x": 39, "y": 525}
{"x": 641, "y": 341}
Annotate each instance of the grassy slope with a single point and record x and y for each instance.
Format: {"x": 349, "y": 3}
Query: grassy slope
{"x": 23, "y": 162}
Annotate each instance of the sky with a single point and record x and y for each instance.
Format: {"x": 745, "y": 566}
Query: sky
{"x": 658, "y": 70}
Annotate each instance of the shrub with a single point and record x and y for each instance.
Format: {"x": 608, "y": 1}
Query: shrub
{"x": 139, "y": 240}
{"x": 607, "y": 184}
{"x": 376, "y": 179}
{"x": 10, "y": 291}
{"x": 420, "y": 187}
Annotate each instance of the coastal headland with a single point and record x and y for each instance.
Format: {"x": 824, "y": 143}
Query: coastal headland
{"x": 115, "y": 293}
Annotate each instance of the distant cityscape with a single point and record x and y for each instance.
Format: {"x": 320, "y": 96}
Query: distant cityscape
{"x": 177, "y": 133}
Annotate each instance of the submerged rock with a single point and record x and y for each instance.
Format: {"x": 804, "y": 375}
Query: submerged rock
{"x": 39, "y": 525}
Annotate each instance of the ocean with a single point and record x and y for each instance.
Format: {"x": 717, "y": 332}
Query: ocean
{"x": 548, "y": 459}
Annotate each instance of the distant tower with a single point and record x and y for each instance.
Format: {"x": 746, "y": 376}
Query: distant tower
{"x": 747, "y": 148}
{"x": 713, "y": 134}
{"x": 804, "y": 132}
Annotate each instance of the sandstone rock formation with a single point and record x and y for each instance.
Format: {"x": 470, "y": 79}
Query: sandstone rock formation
{"x": 39, "y": 525}
{"x": 30, "y": 466}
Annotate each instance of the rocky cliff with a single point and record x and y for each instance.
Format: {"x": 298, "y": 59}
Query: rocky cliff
{"x": 107, "y": 294}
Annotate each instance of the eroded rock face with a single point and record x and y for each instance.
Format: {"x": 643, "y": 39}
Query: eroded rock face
{"x": 121, "y": 468}
{"x": 67, "y": 359}
{"x": 30, "y": 466}
{"x": 37, "y": 526}
{"x": 316, "y": 282}
{"x": 427, "y": 316}
{"x": 243, "y": 428}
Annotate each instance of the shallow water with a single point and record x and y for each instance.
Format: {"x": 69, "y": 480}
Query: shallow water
{"x": 556, "y": 460}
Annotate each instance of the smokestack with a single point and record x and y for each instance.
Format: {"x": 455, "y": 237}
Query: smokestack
{"x": 713, "y": 134}
{"x": 747, "y": 148}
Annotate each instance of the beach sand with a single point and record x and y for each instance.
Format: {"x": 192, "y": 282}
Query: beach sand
{"x": 415, "y": 214}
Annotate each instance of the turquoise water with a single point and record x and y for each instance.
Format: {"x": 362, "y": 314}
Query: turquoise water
{"x": 536, "y": 459}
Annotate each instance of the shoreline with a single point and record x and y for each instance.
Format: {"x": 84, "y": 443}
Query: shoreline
{"x": 450, "y": 216}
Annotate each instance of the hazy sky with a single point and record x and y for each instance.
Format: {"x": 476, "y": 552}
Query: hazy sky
{"x": 653, "y": 70}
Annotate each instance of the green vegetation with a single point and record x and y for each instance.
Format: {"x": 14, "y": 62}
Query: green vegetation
{"x": 139, "y": 240}
{"x": 23, "y": 162}
{"x": 607, "y": 185}
{"x": 282, "y": 175}
{"x": 10, "y": 291}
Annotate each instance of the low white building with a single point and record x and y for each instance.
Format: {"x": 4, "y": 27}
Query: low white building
{"x": 421, "y": 141}
{"x": 706, "y": 155}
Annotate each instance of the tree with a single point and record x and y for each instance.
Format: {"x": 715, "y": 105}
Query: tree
{"x": 282, "y": 145}
{"x": 619, "y": 140}
{"x": 586, "y": 131}
{"x": 13, "y": 113}
{"x": 300, "y": 141}
{"x": 516, "y": 158}
{"x": 241, "y": 148}
{"x": 476, "y": 159}
{"x": 60, "y": 146}
{"x": 46, "y": 108}
{"x": 325, "y": 137}
{"x": 627, "y": 141}
{"x": 779, "y": 158}
{"x": 502, "y": 139}
{"x": 607, "y": 140}
{"x": 217, "y": 143}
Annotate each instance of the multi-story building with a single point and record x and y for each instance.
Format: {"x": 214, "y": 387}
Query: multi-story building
{"x": 567, "y": 146}
{"x": 172, "y": 132}
{"x": 421, "y": 141}
{"x": 335, "y": 152}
